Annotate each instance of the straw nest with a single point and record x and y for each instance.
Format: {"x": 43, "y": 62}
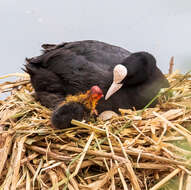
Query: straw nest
{"x": 141, "y": 149}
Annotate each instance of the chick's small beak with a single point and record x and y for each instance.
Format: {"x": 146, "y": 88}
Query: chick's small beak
{"x": 97, "y": 96}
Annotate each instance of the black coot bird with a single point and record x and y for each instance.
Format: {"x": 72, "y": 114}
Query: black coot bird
{"x": 126, "y": 79}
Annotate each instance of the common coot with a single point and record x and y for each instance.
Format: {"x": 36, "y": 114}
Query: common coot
{"x": 126, "y": 79}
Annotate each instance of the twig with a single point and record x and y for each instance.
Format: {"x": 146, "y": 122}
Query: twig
{"x": 5, "y": 151}
{"x": 83, "y": 155}
{"x": 135, "y": 152}
{"x": 54, "y": 179}
{"x": 181, "y": 181}
{"x": 133, "y": 177}
{"x": 49, "y": 153}
{"x": 171, "y": 65}
{"x": 188, "y": 182}
{"x": 166, "y": 179}
{"x": 116, "y": 162}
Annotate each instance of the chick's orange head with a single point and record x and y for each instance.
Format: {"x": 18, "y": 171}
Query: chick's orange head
{"x": 96, "y": 92}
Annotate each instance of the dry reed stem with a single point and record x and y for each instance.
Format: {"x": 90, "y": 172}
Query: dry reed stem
{"x": 116, "y": 162}
{"x": 100, "y": 149}
{"x": 166, "y": 179}
{"x": 188, "y": 182}
{"x": 132, "y": 175}
{"x": 83, "y": 154}
{"x": 29, "y": 158}
{"x": 28, "y": 181}
{"x": 16, "y": 164}
{"x": 151, "y": 166}
{"x": 135, "y": 152}
{"x": 5, "y": 151}
{"x": 181, "y": 181}
{"x": 48, "y": 153}
{"x": 90, "y": 127}
{"x": 71, "y": 179}
{"x": 170, "y": 124}
{"x": 54, "y": 179}
{"x": 171, "y": 65}
{"x": 24, "y": 75}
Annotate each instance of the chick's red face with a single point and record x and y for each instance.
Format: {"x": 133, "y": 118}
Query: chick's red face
{"x": 96, "y": 92}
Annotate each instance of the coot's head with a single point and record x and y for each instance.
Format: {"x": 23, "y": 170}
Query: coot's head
{"x": 134, "y": 70}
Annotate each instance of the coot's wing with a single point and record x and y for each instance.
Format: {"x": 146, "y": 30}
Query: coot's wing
{"x": 98, "y": 52}
{"x": 94, "y": 51}
{"x": 51, "y": 47}
{"x": 77, "y": 72}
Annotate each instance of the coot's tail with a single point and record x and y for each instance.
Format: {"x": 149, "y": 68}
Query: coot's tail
{"x": 30, "y": 68}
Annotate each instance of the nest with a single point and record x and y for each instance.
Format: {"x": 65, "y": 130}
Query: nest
{"x": 140, "y": 150}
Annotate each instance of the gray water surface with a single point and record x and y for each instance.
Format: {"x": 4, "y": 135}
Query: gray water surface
{"x": 162, "y": 27}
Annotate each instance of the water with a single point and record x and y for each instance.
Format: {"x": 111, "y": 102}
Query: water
{"x": 160, "y": 27}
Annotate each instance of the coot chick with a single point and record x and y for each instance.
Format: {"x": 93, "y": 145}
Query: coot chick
{"x": 76, "y": 107}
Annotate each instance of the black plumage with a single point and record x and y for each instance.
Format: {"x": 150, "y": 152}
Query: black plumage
{"x": 70, "y": 68}
{"x": 63, "y": 115}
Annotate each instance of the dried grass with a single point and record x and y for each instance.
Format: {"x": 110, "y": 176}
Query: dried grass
{"x": 139, "y": 150}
